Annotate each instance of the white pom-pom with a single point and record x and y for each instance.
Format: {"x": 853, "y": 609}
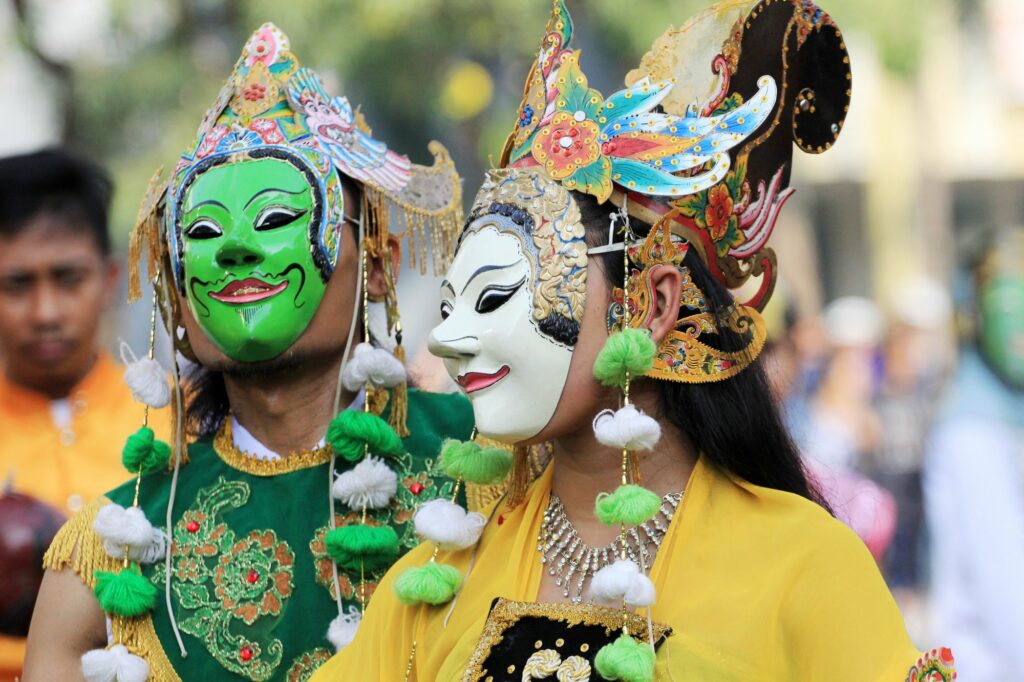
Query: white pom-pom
{"x": 622, "y": 581}
{"x": 371, "y": 483}
{"x": 448, "y": 524}
{"x": 120, "y": 528}
{"x": 372, "y": 365}
{"x": 115, "y": 664}
{"x": 148, "y": 382}
{"x": 343, "y": 628}
{"x": 628, "y": 428}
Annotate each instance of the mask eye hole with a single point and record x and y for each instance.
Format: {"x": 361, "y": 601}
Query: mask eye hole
{"x": 273, "y": 217}
{"x": 495, "y": 296}
{"x": 446, "y": 309}
{"x": 204, "y": 228}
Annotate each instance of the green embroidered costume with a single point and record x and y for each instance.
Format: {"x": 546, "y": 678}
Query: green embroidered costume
{"x": 251, "y": 580}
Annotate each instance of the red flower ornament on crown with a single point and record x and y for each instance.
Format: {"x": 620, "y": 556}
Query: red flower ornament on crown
{"x": 936, "y": 665}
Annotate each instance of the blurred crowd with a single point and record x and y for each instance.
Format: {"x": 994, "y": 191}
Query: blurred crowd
{"x": 909, "y": 412}
{"x": 910, "y": 415}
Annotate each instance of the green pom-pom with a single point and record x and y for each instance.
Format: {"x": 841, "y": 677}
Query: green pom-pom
{"x": 431, "y": 583}
{"x": 126, "y": 594}
{"x": 628, "y": 352}
{"x": 351, "y": 431}
{"x": 372, "y": 547}
{"x": 629, "y": 504}
{"x": 143, "y": 451}
{"x": 625, "y": 659}
{"x": 470, "y": 462}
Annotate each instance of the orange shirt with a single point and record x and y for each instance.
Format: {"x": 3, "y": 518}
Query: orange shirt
{"x": 66, "y": 466}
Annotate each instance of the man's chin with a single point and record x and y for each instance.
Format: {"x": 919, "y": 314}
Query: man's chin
{"x": 291, "y": 360}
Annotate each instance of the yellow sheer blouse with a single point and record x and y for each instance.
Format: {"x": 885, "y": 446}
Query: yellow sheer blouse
{"x": 756, "y": 584}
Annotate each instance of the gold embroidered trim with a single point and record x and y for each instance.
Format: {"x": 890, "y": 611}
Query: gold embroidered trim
{"x": 77, "y": 547}
{"x": 506, "y": 613}
{"x": 224, "y": 446}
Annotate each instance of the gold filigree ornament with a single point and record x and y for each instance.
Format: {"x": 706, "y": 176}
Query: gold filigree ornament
{"x": 684, "y": 355}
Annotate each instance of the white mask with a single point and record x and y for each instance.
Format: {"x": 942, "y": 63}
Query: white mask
{"x": 512, "y": 302}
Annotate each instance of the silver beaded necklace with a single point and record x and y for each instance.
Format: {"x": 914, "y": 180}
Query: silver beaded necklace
{"x": 566, "y": 555}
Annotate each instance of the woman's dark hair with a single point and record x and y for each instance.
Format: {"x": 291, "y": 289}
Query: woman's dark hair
{"x": 734, "y": 424}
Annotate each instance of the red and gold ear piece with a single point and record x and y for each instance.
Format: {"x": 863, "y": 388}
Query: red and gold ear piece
{"x": 684, "y": 355}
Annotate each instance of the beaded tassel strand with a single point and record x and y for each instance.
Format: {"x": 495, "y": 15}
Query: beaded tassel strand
{"x": 127, "y": 533}
{"x": 628, "y": 352}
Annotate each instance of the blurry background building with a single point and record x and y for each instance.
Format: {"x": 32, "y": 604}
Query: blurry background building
{"x": 931, "y": 156}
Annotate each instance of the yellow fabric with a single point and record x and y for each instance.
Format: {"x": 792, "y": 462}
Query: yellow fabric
{"x": 757, "y": 584}
{"x": 68, "y": 468}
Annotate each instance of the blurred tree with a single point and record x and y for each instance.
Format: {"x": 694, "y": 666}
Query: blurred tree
{"x": 135, "y": 96}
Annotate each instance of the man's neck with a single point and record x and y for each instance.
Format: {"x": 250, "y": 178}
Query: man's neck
{"x": 52, "y": 387}
{"x": 289, "y": 410}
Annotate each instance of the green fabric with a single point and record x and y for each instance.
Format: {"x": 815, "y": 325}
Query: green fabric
{"x": 629, "y": 504}
{"x": 470, "y": 462}
{"x": 628, "y": 353}
{"x": 352, "y": 431}
{"x": 142, "y": 450}
{"x": 254, "y": 572}
{"x": 625, "y": 659}
{"x": 431, "y": 583}
{"x": 125, "y": 593}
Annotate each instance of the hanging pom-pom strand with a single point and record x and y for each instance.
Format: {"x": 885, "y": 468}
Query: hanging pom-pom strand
{"x": 143, "y": 452}
{"x": 127, "y": 593}
{"x": 342, "y": 629}
{"x": 115, "y": 664}
{"x": 622, "y": 582}
{"x": 375, "y": 366}
{"x": 128, "y": 529}
{"x": 359, "y": 547}
{"x": 353, "y": 431}
{"x": 370, "y": 484}
{"x": 627, "y": 428}
{"x": 627, "y": 353}
{"x": 625, "y": 659}
{"x": 471, "y": 462}
{"x": 448, "y": 525}
{"x": 431, "y": 583}
{"x": 630, "y": 504}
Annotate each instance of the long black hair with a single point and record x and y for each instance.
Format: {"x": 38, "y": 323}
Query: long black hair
{"x": 734, "y": 424}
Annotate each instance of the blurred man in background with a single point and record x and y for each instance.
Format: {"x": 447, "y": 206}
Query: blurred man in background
{"x": 974, "y": 480}
{"x": 64, "y": 407}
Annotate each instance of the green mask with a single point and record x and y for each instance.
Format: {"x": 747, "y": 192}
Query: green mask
{"x": 249, "y": 275}
{"x": 1002, "y": 325}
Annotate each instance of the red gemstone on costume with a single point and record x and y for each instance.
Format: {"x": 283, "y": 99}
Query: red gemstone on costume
{"x": 416, "y": 488}
{"x": 253, "y": 576}
{"x": 501, "y": 519}
{"x": 245, "y": 654}
{"x": 193, "y": 527}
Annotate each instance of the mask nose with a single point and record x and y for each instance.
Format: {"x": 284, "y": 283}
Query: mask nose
{"x": 452, "y": 346}
{"x": 234, "y": 253}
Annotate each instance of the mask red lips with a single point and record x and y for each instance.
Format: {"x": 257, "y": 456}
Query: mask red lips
{"x": 248, "y": 290}
{"x": 477, "y": 381}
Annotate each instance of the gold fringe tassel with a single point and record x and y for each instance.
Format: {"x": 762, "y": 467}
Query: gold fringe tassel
{"x": 399, "y": 416}
{"x": 521, "y": 475}
{"x": 146, "y": 235}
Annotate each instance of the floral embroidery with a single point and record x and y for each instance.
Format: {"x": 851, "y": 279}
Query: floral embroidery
{"x": 305, "y": 665}
{"x": 220, "y": 578}
{"x": 414, "y": 488}
{"x": 936, "y": 665}
{"x": 719, "y": 209}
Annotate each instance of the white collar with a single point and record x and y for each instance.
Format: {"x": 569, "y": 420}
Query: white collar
{"x": 249, "y": 445}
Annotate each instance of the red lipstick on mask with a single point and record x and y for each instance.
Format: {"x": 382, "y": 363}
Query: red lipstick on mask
{"x": 477, "y": 381}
